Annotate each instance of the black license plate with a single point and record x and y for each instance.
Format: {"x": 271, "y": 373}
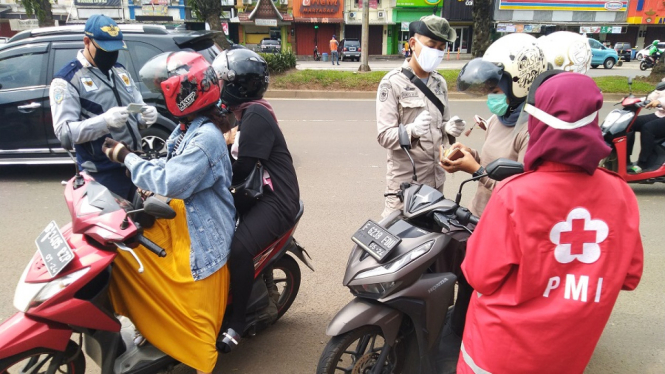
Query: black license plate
{"x": 54, "y": 249}
{"x": 376, "y": 240}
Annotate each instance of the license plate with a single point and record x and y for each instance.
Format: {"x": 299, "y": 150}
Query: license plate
{"x": 376, "y": 240}
{"x": 351, "y": 49}
{"x": 54, "y": 249}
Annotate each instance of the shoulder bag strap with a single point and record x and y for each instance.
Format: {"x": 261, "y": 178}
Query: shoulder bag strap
{"x": 429, "y": 94}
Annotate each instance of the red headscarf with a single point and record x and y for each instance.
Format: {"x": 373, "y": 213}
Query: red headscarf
{"x": 571, "y": 98}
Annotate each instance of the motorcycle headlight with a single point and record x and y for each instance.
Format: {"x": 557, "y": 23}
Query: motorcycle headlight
{"x": 399, "y": 263}
{"x": 30, "y": 295}
{"x": 375, "y": 289}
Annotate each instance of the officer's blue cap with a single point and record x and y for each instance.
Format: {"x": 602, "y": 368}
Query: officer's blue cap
{"x": 105, "y": 32}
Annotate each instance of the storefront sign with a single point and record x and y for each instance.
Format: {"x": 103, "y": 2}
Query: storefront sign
{"x": 505, "y": 27}
{"x": 570, "y": 5}
{"x": 109, "y": 3}
{"x": 405, "y": 26}
{"x": 373, "y": 4}
{"x": 155, "y": 7}
{"x": 645, "y": 12}
{"x": 318, "y": 8}
{"x": 265, "y": 22}
{"x": 590, "y": 29}
{"x": 23, "y": 24}
{"x": 418, "y": 3}
{"x": 225, "y": 28}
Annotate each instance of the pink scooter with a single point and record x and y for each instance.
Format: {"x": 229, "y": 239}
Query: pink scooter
{"x": 63, "y": 290}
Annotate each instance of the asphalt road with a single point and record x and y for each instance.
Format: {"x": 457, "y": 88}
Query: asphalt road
{"x": 341, "y": 173}
{"x": 629, "y": 69}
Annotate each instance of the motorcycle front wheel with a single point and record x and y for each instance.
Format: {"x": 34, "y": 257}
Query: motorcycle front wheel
{"x": 643, "y": 65}
{"x": 38, "y": 361}
{"x": 357, "y": 351}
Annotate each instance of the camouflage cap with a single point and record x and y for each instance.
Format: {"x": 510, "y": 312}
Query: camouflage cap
{"x": 434, "y": 27}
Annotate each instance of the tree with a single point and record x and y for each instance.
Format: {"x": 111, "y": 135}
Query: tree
{"x": 40, "y": 8}
{"x": 482, "y": 26}
{"x": 209, "y": 11}
{"x": 658, "y": 71}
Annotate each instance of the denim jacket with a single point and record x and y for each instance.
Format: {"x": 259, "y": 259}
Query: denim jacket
{"x": 199, "y": 173}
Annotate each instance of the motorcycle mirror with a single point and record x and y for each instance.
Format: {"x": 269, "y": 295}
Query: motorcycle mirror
{"x": 503, "y": 168}
{"x": 157, "y": 208}
{"x": 404, "y": 139}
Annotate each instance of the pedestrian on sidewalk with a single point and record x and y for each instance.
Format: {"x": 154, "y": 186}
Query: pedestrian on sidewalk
{"x": 400, "y": 101}
{"x": 334, "y": 55}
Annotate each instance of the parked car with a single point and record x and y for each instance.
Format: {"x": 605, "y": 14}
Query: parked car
{"x": 645, "y": 52}
{"x": 31, "y": 58}
{"x": 601, "y": 55}
{"x": 624, "y": 50}
{"x": 268, "y": 45}
{"x": 349, "y": 49}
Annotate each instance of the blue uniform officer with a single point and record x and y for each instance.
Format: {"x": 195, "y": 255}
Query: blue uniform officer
{"x": 89, "y": 97}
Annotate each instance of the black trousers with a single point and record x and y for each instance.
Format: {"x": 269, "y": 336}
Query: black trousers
{"x": 651, "y": 128}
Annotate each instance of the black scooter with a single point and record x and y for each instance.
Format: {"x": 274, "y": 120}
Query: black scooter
{"x": 403, "y": 271}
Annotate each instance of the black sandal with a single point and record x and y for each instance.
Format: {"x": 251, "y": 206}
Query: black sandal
{"x": 230, "y": 340}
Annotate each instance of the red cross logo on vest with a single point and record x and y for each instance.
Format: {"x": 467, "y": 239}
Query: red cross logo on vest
{"x": 578, "y": 237}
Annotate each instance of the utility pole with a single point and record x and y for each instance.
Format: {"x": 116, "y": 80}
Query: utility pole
{"x": 364, "y": 44}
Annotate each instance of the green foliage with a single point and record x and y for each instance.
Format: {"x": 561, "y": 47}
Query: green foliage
{"x": 193, "y": 5}
{"x": 354, "y": 81}
{"x": 280, "y": 62}
{"x": 39, "y": 8}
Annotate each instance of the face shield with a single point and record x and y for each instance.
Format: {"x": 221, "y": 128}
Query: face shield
{"x": 479, "y": 77}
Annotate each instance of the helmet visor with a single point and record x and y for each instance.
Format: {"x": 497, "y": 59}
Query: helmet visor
{"x": 165, "y": 65}
{"x": 479, "y": 77}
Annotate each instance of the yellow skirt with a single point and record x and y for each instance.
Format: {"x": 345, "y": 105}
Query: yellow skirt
{"x": 176, "y": 314}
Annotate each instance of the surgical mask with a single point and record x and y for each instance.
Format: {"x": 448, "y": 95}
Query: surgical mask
{"x": 429, "y": 58}
{"x": 497, "y": 104}
{"x": 105, "y": 60}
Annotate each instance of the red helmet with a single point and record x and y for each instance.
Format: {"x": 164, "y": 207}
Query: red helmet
{"x": 187, "y": 80}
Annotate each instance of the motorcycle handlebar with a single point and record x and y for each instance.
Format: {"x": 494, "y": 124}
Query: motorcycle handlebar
{"x": 154, "y": 248}
{"x": 465, "y": 217}
{"x": 473, "y": 219}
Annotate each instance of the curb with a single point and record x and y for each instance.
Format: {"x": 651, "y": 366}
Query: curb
{"x": 364, "y": 95}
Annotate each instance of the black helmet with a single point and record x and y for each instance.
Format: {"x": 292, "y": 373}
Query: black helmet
{"x": 243, "y": 74}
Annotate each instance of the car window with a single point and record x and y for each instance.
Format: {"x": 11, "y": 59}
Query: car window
{"x": 210, "y": 53}
{"x": 142, "y": 53}
{"x": 270, "y": 42}
{"x": 594, "y": 44}
{"x": 22, "y": 71}
{"x": 352, "y": 42}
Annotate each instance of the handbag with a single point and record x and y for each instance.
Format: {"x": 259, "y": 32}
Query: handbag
{"x": 246, "y": 193}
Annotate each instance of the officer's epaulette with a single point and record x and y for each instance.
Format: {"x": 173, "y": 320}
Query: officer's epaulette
{"x": 68, "y": 71}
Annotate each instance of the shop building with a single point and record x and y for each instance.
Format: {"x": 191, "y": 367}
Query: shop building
{"x": 263, "y": 19}
{"x": 380, "y": 24}
{"x": 604, "y": 20}
{"x": 646, "y": 20}
{"x": 315, "y": 22}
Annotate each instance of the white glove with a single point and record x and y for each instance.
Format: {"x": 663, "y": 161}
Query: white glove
{"x": 420, "y": 125}
{"x": 455, "y": 126}
{"x": 149, "y": 114}
{"x": 116, "y": 116}
{"x": 234, "y": 147}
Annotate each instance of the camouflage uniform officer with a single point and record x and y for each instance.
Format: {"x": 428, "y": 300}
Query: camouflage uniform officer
{"x": 399, "y": 101}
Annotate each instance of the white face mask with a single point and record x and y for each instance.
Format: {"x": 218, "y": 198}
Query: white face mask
{"x": 429, "y": 58}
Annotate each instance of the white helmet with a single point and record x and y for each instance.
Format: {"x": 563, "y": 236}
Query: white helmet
{"x": 522, "y": 61}
{"x": 567, "y": 51}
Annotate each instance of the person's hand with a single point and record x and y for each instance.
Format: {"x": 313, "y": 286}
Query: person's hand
{"x": 455, "y": 126}
{"x": 652, "y": 104}
{"x": 460, "y": 146}
{"x": 230, "y": 136}
{"x": 116, "y": 116}
{"x": 115, "y": 150}
{"x": 149, "y": 114}
{"x": 420, "y": 125}
{"x": 467, "y": 163}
